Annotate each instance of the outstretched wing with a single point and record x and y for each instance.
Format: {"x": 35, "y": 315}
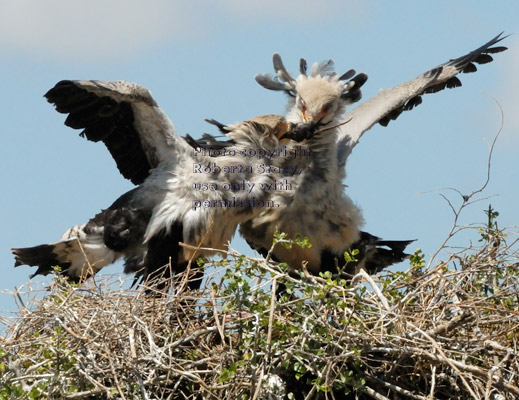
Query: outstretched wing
{"x": 390, "y": 103}
{"x": 124, "y": 116}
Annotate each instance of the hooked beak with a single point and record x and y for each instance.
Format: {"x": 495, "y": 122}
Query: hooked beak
{"x": 318, "y": 118}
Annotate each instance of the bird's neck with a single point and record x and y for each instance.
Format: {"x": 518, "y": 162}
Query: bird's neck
{"x": 322, "y": 166}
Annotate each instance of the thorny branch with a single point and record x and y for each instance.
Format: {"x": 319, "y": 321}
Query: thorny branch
{"x": 468, "y": 199}
{"x": 430, "y": 335}
{"x": 448, "y": 331}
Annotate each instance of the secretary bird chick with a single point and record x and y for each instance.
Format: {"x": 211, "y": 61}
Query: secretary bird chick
{"x": 318, "y": 208}
{"x": 145, "y": 225}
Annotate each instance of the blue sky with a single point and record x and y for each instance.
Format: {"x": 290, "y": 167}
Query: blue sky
{"x": 198, "y": 58}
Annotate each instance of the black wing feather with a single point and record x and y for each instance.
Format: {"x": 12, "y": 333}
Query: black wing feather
{"x": 104, "y": 119}
{"x": 465, "y": 64}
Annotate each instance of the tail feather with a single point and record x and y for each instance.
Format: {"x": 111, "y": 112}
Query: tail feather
{"x": 376, "y": 254}
{"x": 77, "y": 258}
{"x": 395, "y": 245}
{"x": 42, "y": 256}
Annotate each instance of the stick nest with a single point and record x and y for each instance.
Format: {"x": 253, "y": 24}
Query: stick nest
{"x": 448, "y": 331}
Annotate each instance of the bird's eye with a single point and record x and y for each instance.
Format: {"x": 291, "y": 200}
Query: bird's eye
{"x": 327, "y": 107}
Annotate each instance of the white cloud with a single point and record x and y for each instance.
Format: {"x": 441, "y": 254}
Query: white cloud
{"x": 80, "y": 30}
{"x": 349, "y": 11}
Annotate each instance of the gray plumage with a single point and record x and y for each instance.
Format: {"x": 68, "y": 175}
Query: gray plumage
{"x": 318, "y": 208}
{"x": 172, "y": 202}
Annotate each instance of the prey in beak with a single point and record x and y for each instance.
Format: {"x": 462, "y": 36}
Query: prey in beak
{"x": 276, "y": 125}
{"x": 300, "y": 132}
{"x": 307, "y": 130}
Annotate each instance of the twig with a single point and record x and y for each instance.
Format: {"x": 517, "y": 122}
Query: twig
{"x": 363, "y": 274}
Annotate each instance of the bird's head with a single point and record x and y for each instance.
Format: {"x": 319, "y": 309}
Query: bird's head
{"x": 318, "y": 99}
{"x": 276, "y": 126}
{"x": 320, "y": 96}
{"x": 265, "y": 131}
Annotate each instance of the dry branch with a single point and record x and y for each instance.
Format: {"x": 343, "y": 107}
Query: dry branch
{"x": 440, "y": 332}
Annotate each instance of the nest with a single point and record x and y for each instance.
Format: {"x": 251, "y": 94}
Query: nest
{"x": 448, "y": 331}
